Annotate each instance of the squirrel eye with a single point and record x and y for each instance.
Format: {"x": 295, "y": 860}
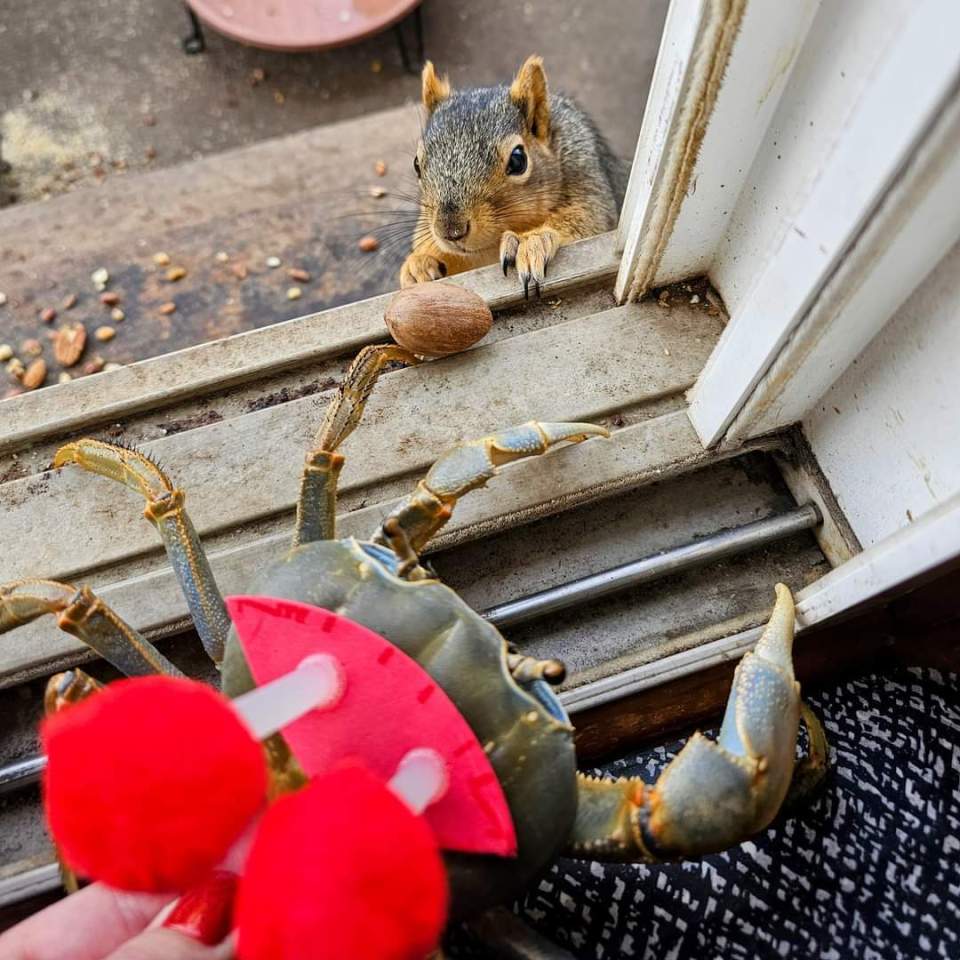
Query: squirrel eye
{"x": 416, "y": 165}
{"x": 517, "y": 163}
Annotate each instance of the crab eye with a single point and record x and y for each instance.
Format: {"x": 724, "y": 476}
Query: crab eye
{"x": 517, "y": 163}
{"x": 416, "y": 166}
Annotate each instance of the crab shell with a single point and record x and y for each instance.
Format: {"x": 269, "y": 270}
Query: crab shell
{"x": 527, "y": 736}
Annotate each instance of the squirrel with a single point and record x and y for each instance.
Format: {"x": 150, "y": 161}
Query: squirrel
{"x": 507, "y": 173}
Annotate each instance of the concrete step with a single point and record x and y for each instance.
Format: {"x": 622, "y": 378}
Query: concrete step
{"x": 304, "y": 198}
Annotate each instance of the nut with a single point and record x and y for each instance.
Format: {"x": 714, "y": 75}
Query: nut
{"x": 64, "y": 377}
{"x": 100, "y": 278}
{"x": 273, "y": 262}
{"x": 6, "y": 352}
{"x": 3, "y": 299}
{"x": 167, "y": 308}
{"x": 34, "y": 376}
{"x": 117, "y": 315}
{"x": 176, "y": 273}
{"x": 161, "y": 259}
{"x": 221, "y": 256}
{"x": 93, "y": 365}
{"x": 380, "y": 168}
{"x": 107, "y": 367}
{"x": 69, "y": 302}
{"x": 48, "y": 315}
{"x": 239, "y": 270}
{"x": 68, "y": 347}
{"x": 369, "y": 243}
{"x": 377, "y": 192}
{"x": 294, "y": 293}
{"x": 31, "y": 348}
{"x": 103, "y": 334}
{"x": 16, "y": 368}
{"x": 434, "y": 320}
{"x": 301, "y": 276}
{"x": 110, "y": 299}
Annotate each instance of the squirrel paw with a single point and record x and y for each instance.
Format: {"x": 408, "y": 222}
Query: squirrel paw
{"x": 530, "y": 252}
{"x": 421, "y": 268}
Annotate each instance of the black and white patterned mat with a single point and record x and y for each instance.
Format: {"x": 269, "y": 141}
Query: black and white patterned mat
{"x": 871, "y": 870}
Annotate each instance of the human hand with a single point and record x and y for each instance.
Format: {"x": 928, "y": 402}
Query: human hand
{"x": 100, "y": 923}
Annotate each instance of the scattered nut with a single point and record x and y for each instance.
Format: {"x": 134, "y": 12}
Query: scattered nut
{"x": 176, "y": 273}
{"x": 93, "y": 365}
{"x": 3, "y": 299}
{"x": 16, "y": 368}
{"x": 368, "y": 243}
{"x": 239, "y": 270}
{"x": 380, "y": 168}
{"x": 221, "y": 256}
{"x": 301, "y": 276}
{"x": 103, "y": 334}
{"x": 434, "y": 320}
{"x": 695, "y": 298}
{"x": 161, "y": 259}
{"x": 34, "y": 375}
{"x": 64, "y": 377}
{"x": 6, "y": 352}
{"x": 48, "y": 315}
{"x": 100, "y": 278}
{"x": 107, "y": 367}
{"x": 69, "y": 302}
{"x": 110, "y": 299}
{"x": 377, "y": 192}
{"x": 117, "y": 315}
{"x": 279, "y": 97}
{"x": 294, "y": 293}
{"x": 167, "y": 308}
{"x": 273, "y": 262}
{"x": 31, "y": 348}
{"x": 68, "y": 347}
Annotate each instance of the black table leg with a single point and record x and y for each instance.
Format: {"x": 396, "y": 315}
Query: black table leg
{"x": 194, "y": 42}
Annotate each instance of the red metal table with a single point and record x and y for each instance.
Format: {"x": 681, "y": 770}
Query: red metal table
{"x": 297, "y": 25}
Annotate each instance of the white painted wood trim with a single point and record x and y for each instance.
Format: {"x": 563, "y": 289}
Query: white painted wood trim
{"x": 669, "y": 90}
{"x": 898, "y": 107}
{"x": 924, "y": 546}
{"x": 917, "y": 223}
{"x": 721, "y": 70}
{"x": 769, "y": 39}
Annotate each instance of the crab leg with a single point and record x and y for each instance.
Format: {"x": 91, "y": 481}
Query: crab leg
{"x": 87, "y": 617}
{"x": 63, "y": 690}
{"x": 317, "y": 506}
{"x": 470, "y": 465}
{"x": 712, "y": 795}
{"x": 165, "y": 510}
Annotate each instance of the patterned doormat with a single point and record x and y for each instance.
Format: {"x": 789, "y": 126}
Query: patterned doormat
{"x": 870, "y": 870}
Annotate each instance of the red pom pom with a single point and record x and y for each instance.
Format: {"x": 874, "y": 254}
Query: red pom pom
{"x": 149, "y": 782}
{"x": 342, "y": 869}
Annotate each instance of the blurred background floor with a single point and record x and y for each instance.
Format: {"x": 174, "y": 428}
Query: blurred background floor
{"x": 123, "y": 147}
{"x": 107, "y": 80}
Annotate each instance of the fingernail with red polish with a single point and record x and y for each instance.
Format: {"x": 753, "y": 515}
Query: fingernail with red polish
{"x": 205, "y": 913}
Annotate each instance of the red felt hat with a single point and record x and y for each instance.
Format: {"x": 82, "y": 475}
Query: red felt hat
{"x": 149, "y": 782}
{"x": 342, "y": 869}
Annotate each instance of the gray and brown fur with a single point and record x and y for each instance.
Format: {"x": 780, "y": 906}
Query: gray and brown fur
{"x": 473, "y": 213}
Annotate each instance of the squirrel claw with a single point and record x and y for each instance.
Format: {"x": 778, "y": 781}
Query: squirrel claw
{"x": 530, "y": 253}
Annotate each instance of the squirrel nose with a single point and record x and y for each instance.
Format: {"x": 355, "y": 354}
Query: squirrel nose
{"x": 456, "y": 231}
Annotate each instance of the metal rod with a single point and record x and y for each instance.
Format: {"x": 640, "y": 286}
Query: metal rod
{"x": 709, "y": 549}
{"x": 715, "y": 547}
{"x": 15, "y": 776}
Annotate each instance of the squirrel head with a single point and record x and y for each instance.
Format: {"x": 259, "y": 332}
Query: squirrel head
{"x": 485, "y": 161}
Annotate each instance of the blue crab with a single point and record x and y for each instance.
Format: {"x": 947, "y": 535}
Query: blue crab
{"x": 713, "y": 794}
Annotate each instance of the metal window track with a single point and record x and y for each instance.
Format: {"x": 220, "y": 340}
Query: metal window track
{"x": 727, "y": 543}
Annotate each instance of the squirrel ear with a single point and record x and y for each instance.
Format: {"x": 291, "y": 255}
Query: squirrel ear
{"x": 435, "y": 89}
{"x": 529, "y": 92}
